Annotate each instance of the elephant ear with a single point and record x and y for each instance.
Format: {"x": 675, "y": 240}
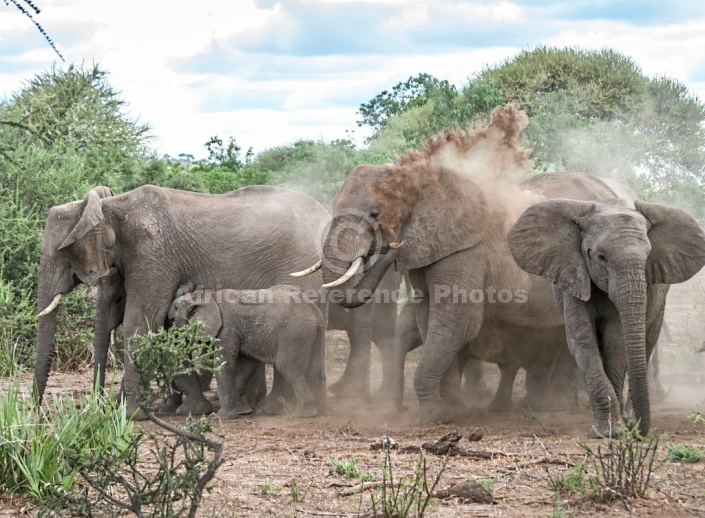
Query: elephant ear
{"x": 208, "y": 312}
{"x": 677, "y": 244}
{"x": 546, "y": 240}
{"x": 445, "y": 218}
{"x": 92, "y": 215}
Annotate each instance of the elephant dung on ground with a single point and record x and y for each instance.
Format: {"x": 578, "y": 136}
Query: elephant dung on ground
{"x": 611, "y": 261}
{"x": 278, "y": 326}
{"x": 159, "y": 239}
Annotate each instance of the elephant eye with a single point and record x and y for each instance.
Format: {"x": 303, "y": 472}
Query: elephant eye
{"x": 374, "y": 214}
{"x": 602, "y": 258}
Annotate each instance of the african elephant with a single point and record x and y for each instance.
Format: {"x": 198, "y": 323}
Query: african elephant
{"x": 371, "y": 322}
{"x": 158, "y": 238}
{"x": 278, "y": 326}
{"x": 611, "y": 261}
{"x": 443, "y": 213}
{"x": 543, "y": 354}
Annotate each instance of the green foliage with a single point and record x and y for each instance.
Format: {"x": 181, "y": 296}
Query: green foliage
{"x": 685, "y": 453}
{"x": 624, "y": 470}
{"x": 405, "y": 496}
{"x": 152, "y": 474}
{"x": 316, "y": 168}
{"x": 159, "y": 360}
{"x": 414, "y": 92}
{"x": 270, "y": 487}
{"x": 36, "y": 445}
{"x": 225, "y": 170}
{"x": 18, "y": 329}
{"x": 421, "y": 108}
{"x": 349, "y": 468}
{"x": 572, "y": 481}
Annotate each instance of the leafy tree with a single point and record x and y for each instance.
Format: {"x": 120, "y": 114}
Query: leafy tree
{"x": 316, "y": 168}
{"x": 414, "y": 92}
{"x": 225, "y": 170}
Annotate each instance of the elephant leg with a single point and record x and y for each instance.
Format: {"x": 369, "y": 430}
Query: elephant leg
{"x": 355, "y": 381}
{"x": 450, "y": 387}
{"x": 502, "y": 401}
{"x": 653, "y": 332}
{"x": 316, "y": 373}
{"x": 442, "y": 345}
{"x": 235, "y": 380}
{"x": 195, "y": 403}
{"x": 256, "y": 389}
{"x": 306, "y": 402}
{"x": 582, "y": 342}
{"x": 172, "y": 402}
{"x": 407, "y": 337}
{"x": 474, "y": 384}
{"x": 279, "y": 398}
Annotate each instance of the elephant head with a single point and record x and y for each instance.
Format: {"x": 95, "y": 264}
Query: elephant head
{"x": 77, "y": 247}
{"x": 388, "y": 213}
{"x": 580, "y": 246}
{"x": 198, "y": 306}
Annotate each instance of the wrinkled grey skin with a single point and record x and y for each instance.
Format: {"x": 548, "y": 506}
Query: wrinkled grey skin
{"x": 158, "y": 239}
{"x": 544, "y": 354}
{"x": 372, "y": 322}
{"x": 278, "y": 326}
{"x": 110, "y": 311}
{"x": 452, "y": 237}
{"x": 612, "y": 261}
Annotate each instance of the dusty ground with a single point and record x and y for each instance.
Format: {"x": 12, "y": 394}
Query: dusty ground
{"x": 279, "y": 466}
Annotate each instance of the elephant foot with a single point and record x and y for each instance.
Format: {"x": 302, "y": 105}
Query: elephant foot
{"x": 308, "y": 410}
{"x": 437, "y": 413}
{"x": 199, "y": 407}
{"x": 271, "y": 406}
{"x": 242, "y": 407}
{"x": 226, "y": 414}
{"x": 135, "y": 412}
{"x": 608, "y": 430}
{"x": 500, "y": 405}
{"x": 172, "y": 403}
{"x": 345, "y": 389}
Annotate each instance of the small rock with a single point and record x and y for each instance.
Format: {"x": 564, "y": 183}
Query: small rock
{"x": 475, "y": 435}
{"x": 384, "y": 442}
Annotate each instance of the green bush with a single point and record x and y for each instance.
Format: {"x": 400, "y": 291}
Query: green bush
{"x": 36, "y": 444}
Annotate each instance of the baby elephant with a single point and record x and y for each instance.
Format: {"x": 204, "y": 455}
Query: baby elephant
{"x": 279, "y": 325}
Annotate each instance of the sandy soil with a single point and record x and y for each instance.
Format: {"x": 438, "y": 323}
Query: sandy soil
{"x": 280, "y": 466}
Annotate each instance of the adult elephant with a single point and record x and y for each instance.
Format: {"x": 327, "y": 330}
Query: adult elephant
{"x": 542, "y": 353}
{"x": 612, "y": 261}
{"x": 373, "y": 322}
{"x": 159, "y": 239}
{"x": 110, "y": 312}
{"x": 443, "y": 214}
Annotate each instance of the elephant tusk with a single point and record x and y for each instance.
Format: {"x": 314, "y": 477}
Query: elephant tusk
{"x": 308, "y": 271}
{"x": 397, "y": 245}
{"x": 51, "y": 307}
{"x": 351, "y": 271}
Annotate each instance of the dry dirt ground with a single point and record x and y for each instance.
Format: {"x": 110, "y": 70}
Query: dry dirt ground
{"x": 280, "y": 466}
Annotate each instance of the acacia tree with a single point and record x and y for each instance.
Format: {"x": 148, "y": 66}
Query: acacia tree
{"x": 591, "y": 111}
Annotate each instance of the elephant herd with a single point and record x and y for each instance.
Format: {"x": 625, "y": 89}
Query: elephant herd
{"x": 556, "y": 272}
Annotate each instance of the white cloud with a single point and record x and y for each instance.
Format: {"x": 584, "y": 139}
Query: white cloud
{"x": 153, "y": 51}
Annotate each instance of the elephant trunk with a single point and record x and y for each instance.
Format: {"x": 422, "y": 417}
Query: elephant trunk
{"x": 101, "y": 342}
{"x": 629, "y": 296}
{"x": 349, "y": 239}
{"x": 54, "y": 279}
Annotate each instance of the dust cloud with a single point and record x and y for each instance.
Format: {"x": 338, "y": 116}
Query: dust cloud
{"x": 487, "y": 158}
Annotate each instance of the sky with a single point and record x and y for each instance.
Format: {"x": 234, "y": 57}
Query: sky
{"x": 270, "y": 72}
